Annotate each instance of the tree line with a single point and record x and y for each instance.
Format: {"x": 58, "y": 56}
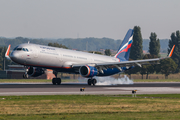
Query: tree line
{"x": 88, "y": 44}
{"x": 165, "y": 66}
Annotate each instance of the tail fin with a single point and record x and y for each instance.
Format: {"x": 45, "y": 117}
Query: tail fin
{"x": 124, "y": 49}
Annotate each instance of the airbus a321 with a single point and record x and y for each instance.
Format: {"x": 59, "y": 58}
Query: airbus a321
{"x": 38, "y": 58}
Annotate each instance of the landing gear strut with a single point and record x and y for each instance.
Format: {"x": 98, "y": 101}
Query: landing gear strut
{"x": 25, "y": 75}
{"x": 92, "y": 81}
{"x": 56, "y": 81}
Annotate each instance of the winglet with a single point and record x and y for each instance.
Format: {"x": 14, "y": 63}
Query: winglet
{"x": 170, "y": 54}
{"x": 7, "y": 52}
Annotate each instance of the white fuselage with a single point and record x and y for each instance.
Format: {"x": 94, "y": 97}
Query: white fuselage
{"x": 52, "y": 57}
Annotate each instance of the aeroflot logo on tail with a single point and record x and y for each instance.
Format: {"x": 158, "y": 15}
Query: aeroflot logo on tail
{"x": 126, "y": 46}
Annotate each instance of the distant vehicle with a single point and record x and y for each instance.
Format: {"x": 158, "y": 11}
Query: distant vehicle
{"x": 38, "y": 58}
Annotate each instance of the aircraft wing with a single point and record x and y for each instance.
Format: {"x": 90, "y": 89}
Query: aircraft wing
{"x": 7, "y": 52}
{"x": 127, "y": 64}
{"x": 121, "y": 64}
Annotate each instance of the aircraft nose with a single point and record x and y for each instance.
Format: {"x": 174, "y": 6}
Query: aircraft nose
{"x": 14, "y": 56}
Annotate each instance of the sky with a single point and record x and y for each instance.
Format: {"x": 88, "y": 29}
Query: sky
{"x": 88, "y": 18}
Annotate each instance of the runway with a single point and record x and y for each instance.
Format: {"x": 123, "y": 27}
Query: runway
{"x": 74, "y": 88}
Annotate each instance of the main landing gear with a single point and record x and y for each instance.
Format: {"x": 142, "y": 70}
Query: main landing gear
{"x": 56, "y": 81}
{"x": 92, "y": 81}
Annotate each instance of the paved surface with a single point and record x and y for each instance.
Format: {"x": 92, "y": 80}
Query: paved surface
{"x": 74, "y": 88}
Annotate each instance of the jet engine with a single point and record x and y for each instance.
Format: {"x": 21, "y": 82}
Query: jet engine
{"x": 35, "y": 71}
{"x": 88, "y": 71}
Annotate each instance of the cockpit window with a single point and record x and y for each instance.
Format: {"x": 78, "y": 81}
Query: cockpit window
{"x": 15, "y": 48}
{"x": 21, "y": 49}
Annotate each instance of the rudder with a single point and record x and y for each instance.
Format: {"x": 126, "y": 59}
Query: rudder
{"x": 124, "y": 49}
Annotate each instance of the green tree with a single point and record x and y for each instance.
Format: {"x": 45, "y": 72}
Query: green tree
{"x": 175, "y": 40}
{"x": 136, "y": 48}
{"x": 3, "y": 61}
{"x": 107, "y": 52}
{"x": 154, "y": 45}
{"x": 147, "y": 69}
{"x": 167, "y": 66}
{"x": 136, "y": 52}
{"x": 1, "y": 58}
{"x": 95, "y": 52}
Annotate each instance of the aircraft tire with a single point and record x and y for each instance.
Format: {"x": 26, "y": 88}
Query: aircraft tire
{"x": 54, "y": 81}
{"x": 89, "y": 81}
{"x": 58, "y": 81}
{"x": 94, "y": 81}
{"x": 25, "y": 76}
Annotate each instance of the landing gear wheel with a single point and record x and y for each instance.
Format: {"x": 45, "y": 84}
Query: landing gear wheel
{"x": 25, "y": 75}
{"x": 94, "y": 81}
{"x": 56, "y": 81}
{"x": 89, "y": 81}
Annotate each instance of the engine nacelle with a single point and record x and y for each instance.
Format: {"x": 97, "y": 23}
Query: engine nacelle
{"x": 35, "y": 72}
{"x": 88, "y": 71}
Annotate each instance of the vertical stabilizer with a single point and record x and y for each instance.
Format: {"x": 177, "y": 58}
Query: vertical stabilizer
{"x": 124, "y": 49}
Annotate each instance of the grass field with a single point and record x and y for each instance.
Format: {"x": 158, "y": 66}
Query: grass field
{"x": 75, "y": 80}
{"x": 80, "y": 107}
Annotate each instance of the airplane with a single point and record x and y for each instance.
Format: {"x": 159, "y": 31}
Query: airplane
{"x": 38, "y": 58}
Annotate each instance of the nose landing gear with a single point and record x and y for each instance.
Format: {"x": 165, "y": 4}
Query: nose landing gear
{"x": 92, "y": 81}
{"x": 25, "y": 75}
